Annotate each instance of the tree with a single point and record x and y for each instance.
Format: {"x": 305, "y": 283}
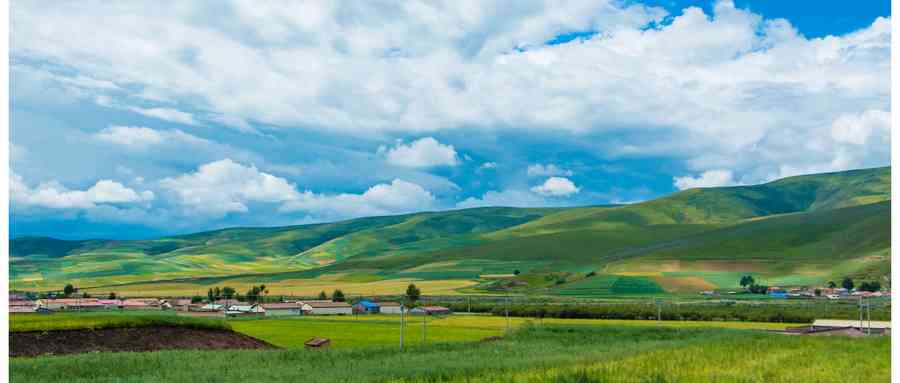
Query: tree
{"x": 413, "y": 293}
{"x": 831, "y": 284}
{"x": 747, "y": 280}
{"x": 818, "y": 292}
{"x": 516, "y": 272}
{"x": 85, "y": 295}
{"x": 68, "y": 290}
{"x": 211, "y": 295}
{"x": 112, "y": 296}
{"x": 758, "y": 289}
{"x": 338, "y": 296}
{"x": 196, "y": 299}
{"x": 870, "y": 286}
{"x": 228, "y": 292}
{"x": 591, "y": 274}
{"x": 847, "y": 283}
{"x": 322, "y": 296}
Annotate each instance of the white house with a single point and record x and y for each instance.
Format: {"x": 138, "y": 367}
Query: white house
{"x": 329, "y": 308}
{"x": 389, "y": 307}
{"x": 286, "y": 308}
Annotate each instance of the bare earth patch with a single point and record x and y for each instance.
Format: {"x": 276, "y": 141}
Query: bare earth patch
{"x": 128, "y": 339}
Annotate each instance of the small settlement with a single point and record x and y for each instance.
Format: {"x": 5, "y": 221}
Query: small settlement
{"x": 219, "y": 308}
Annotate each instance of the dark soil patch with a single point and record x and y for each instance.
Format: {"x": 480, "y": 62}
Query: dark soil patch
{"x": 128, "y": 339}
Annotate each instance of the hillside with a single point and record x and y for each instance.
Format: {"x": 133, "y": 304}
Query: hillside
{"x": 797, "y": 230}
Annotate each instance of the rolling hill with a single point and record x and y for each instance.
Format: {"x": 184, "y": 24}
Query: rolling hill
{"x": 798, "y": 230}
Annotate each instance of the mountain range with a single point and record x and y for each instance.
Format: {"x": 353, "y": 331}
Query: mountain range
{"x": 794, "y": 231}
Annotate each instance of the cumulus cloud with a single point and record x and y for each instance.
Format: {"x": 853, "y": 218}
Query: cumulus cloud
{"x": 709, "y": 178}
{"x": 505, "y": 198}
{"x": 556, "y": 187}
{"x": 539, "y": 170}
{"x": 488, "y": 165}
{"x": 53, "y": 195}
{"x": 712, "y": 85}
{"x": 142, "y": 137}
{"x": 399, "y": 196}
{"x": 167, "y": 114}
{"x": 857, "y": 128}
{"x": 225, "y": 186}
{"x": 422, "y": 153}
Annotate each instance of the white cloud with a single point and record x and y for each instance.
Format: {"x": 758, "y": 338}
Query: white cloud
{"x": 709, "y": 178}
{"x": 55, "y": 196}
{"x": 539, "y": 170}
{"x": 725, "y": 90}
{"x": 142, "y": 137}
{"x": 224, "y": 186}
{"x": 556, "y": 187}
{"x": 856, "y": 129}
{"x": 488, "y": 165}
{"x": 167, "y": 114}
{"x": 397, "y": 197}
{"x": 422, "y": 153}
{"x": 505, "y": 198}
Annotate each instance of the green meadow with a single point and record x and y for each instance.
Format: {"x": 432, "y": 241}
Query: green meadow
{"x": 532, "y": 353}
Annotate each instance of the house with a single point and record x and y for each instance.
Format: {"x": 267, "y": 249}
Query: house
{"x": 19, "y": 306}
{"x": 110, "y": 304}
{"x": 212, "y": 307}
{"x": 778, "y": 294}
{"x": 875, "y": 327}
{"x": 329, "y": 308}
{"x": 286, "y": 308}
{"x": 317, "y": 343}
{"x": 389, "y": 307}
{"x": 244, "y": 309}
{"x": 366, "y": 307}
{"x": 430, "y": 310}
{"x": 73, "y": 304}
{"x": 139, "y": 304}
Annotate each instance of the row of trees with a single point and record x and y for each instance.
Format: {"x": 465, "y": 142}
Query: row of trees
{"x": 260, "y": 294}
{"x": 750, "y": 284}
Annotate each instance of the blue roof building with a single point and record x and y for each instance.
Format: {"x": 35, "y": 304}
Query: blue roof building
{"x": 366, "y": 306}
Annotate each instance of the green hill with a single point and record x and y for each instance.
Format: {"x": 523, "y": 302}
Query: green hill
{"x": 797, "y": 230}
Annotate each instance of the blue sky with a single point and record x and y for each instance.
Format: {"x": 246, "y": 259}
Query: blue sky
{"x": 158, "y": 122}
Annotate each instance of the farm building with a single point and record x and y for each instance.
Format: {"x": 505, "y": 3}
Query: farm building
{"x": 329, "y": 308}
{"x": 286, "y": 308}
{"x": 21, "y": 306}
{"x": 244, "y": 309}
{"x": 140, "y": 304}
{"x": 366, "y": 307}
{"x": 430, "y": 310}
{"x": 389, "y": 307}
{"x": 877, "y": 327}
{"x": 79, "y": 304}
{"x": 211, "y": 307}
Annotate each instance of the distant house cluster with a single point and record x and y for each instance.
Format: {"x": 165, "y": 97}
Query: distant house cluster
{"x": 20, "y": 304}
{"x": 219, "y": 308}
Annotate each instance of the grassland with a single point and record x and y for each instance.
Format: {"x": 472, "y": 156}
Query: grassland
{"x": 795, "y": 231}
{"x": 95, "y": 321}
{"x": 383, "y": 330}
{"x": 532, "y": 354}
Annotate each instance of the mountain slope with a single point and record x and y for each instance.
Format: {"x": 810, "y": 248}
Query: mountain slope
{"x": 798, "y": 229}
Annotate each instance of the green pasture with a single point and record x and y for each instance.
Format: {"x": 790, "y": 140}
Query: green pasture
{"x": 537, "y": 353}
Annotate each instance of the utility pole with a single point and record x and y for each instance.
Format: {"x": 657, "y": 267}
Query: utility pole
{"x": 860, "y": 313}
{"x": 424, "y": 328}
{"x": 658, "y": 310}
{"x": 507, "y": 312}
{"x": 869, "y": 318}
{"x": 402, "y": 310}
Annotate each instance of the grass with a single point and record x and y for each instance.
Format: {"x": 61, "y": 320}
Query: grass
{"x": 94, "y": 321}
{"x": 532, "y": 354}
{"x": 384, "y": 330}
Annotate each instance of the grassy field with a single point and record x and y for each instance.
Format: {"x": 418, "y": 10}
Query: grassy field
{"x": 74, "y": 321}
{"x": 554, "y": 353}
{"x": 375, "y": 330}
